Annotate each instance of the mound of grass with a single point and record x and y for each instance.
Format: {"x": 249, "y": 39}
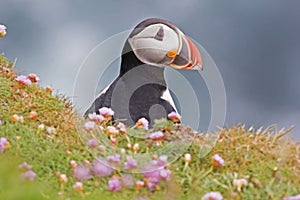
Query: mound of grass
{"x": 268, "y": 162}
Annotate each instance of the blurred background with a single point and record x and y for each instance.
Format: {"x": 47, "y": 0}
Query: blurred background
{"x": 255, "y": 45}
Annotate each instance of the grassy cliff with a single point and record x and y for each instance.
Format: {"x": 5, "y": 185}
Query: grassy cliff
{"x": 47, "y": 138}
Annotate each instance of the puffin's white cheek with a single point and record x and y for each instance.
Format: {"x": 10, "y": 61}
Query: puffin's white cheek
{"x": 150, "y": 56}
{"x": 149, "y": 50}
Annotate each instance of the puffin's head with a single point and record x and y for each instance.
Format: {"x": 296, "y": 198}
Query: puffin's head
{"x": 158, "y": 42}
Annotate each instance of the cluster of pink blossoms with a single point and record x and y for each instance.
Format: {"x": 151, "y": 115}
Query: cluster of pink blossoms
{"x": 27, "y": 174}
{"x": 27, "y": 80}
{"x": 2, "y": 30}
{"x": 152, "y": 173}
{"x": 4, "y": 144}
{"x": 104, "y": 114}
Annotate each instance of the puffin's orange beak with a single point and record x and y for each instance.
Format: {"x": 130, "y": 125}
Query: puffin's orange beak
{"x": 189, "y": 57}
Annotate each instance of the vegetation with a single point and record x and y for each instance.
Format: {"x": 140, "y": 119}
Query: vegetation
{"x": 43, "y": 130}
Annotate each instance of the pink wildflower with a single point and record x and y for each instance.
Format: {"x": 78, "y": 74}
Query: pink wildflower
{"x": 4, "y": 144}
{"x": 142, "y": 123}
{"x": 160, "y": 162}
{"x": 131, "y": 163}
{"x": 89, "y": 126}
{"x": 23, "y": 80}
{"x": 106, "y": 112}
{"x": 165, "y": 174}
{"x": 92, "y": 143}
{"x": 136, "y": 147}
{"x": 158, "y": 175}
{"x": 33, "y": 78}
{"x": 25, "y": 166}
{"x": 17, "y": 118}
{"x": 175, "y": 117}
{"x": 111, "y": 130}
{"x": 2, "y": 30}
{"x": 121, "y": 127}
{"x": 29, "y": 175}
{"x": 78, "y": 187}
{"x": 156, "y": 136}
{"x": 101, "y": 169}
{"x": 63, "y": 179}
{"x": 113, "y": 141}
{"x": 96, "y": 118}
{"x": 212, "y": 196}
{"x": 73, "y": 163}
{"x": 81, "y": 173}
{"x": 116, "y": 159}
{"x": 217, "y": 161}
{"x": 139, "y": 184}
{"x": 114, "y": 184}
{"x": 240, "y": 183}
{"x": 151, "y": 186}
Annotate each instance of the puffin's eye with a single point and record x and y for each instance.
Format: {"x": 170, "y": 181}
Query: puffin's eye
{"x": 160, "y": 34}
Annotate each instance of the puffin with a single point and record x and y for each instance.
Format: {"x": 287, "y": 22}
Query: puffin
{"x": 140, "y": 89}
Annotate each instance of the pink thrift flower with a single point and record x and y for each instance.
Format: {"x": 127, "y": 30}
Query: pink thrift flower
{"x": 158, "y": 175}
{"x": 114, "y": 184}
{"x": 175, "y": 117}
{"x": 163, "y": 158}
{"x": 89, "y": 126}
{"x": 2, "y": 30}
{"x": 165, "y": 174}
{"x": 142, "y": 123}
{"x": 160, "y": 162}
{"x": 96, "y": 118}
{"x": 63, "y": 179}
{"x": 212, "y": 196}
{"x": 73, "y": 163}
{"x": 101, "y": 169}
{"x": 0, "y": 122}
{"x": 116, "y": 159}
{"x": 297, "y": 197}
{"x": 217, "y": 161}
{"x": 23, "y": 80}
{"x": 4, "y": 144}
{"x": 156, "y": 136}
{"x": 151, "y": 186}
{"x": 78, "y": 187}
{"x": 111, "y": 130}
{"x": 29, "y": 175}
{"x": 121, "y": 127}
{"x": 25, "y": 166}
{"x": 130, "y": 164}
{"x": 240, "y": 183}
{"x": 139, "y": 184}
{"x": 92, "y": 143}
{"x": 81, "y": 173}
{"x": 106, "y": 112}
{"x": 33, "y": 78}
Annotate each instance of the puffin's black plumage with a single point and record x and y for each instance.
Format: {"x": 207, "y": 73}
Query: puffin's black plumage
{"x": 137, "y": 91}
{"x": 150, "y": 89}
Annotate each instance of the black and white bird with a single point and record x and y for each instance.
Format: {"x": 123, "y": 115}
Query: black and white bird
{"x": 140, "y": 90}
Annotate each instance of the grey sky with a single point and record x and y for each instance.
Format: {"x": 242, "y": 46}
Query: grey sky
{"x": 255, "y": 45}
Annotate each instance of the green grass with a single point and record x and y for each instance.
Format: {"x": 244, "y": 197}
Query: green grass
{"x": 269, "y": 162}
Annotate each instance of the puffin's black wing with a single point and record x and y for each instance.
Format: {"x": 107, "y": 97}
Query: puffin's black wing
{"x": 103, "y": 100}
{"x": 145, "y": 101}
